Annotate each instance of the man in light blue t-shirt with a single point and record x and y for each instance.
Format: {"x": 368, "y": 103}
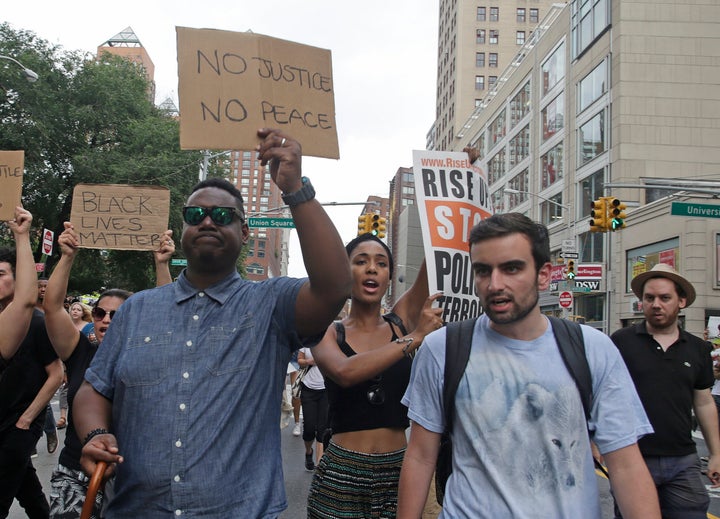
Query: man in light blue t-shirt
{"x": 520, "y": 439}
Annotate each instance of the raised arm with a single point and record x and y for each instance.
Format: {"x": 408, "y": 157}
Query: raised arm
{"x": 347, "y": 371}
{"x": 326, "y": 261}
{"x": 15, "y": 318}
{"x": 706, "y": 414}
{"x": 162, "y": 256}
{"x": 409, "y": 305}
{"x": 61, "y": 330}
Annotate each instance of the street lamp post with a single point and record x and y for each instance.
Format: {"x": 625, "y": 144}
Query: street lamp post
{"x": 511, "y": 191}
{"x": 30, "y": 75}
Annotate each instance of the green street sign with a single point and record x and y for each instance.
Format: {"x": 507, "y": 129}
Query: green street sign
{"x": 271, "y": 222}
{"x": 182, "y": 262}
{"x": 699, "y": 210}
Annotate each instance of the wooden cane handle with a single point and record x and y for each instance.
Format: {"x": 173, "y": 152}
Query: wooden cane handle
{"x": 93, "y": 487}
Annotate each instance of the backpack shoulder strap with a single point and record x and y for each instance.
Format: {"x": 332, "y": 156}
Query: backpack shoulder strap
{"x": 571, "y": 343}
{"x": 458, "y": 342}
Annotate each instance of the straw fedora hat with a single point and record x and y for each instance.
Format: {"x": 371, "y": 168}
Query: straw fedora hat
{"x": 662, "y": 270}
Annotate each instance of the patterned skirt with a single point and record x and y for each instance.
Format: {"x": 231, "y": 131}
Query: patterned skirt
{"x": 355, "y": 485}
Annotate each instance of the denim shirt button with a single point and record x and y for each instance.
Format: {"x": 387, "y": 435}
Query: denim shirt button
{"x": 147, "y": 339}
{"x": 196, "y": 317}
{"x": 176, "y": 479}
{"x": 182, "y": 407}
{"x": 178, "y": 512}
{"x": 178, "y": 443}
{"x": 188, "y": 343}
{"x": 201, "y": 294}
{"x": 186, "y": 375}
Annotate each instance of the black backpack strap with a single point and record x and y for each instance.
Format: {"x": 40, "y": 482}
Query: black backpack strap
{"x": 340, "y": 331}
{"x": 393, "y": 319}
{"x": 571, "y": 344}
{"x": 458, "y": 342}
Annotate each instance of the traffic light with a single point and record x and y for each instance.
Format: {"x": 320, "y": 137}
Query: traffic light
{"x": 364, "y": 224}
{"x": 374, "y": 224}
{"x": 571, "y": 270}
{"x": 616, "y": 214}
{"x": 381, "y": 227}
{"x": 599, "y": 216}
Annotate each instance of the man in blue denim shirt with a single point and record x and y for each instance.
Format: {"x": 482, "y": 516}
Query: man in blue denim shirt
{"x": 189, "y": 377}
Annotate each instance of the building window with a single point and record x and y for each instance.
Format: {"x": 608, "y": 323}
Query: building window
{"x": 534, "y": 16}
{"x": 551, "y": 211}
{"x": 645, "y": 258}
{"x": 520, "y": 105}
{"x": 494, "y": 14}
{"x": 261, "y": 254}
{"x": 480, "y": 59}
{"x": 588, "y": 18}
{"x": 497, "y": 129}
{"x": 480, "y": 14}
{"x": 553, "y": 69}
{"x": 498, "y": 201}
{"x": 593, "y": 86}
{"x": 496, "y": 167}
{"x": 591, "y": 138}
{"x": 520, "y": 37}
{"x": 479, "y": 82}
{"x": 592, "y": 189}
{"x": 520, "y": 183}
{"x": 493, "y": 60}
{"x": 478, "y": 102}
{"x": 519, "y": 146}
{"x": 491, "y": 81}
{"x": 520, "y": 15}
{"x": 480, "y": 36}
{"x": 553, "y": 117}
{"x": 494, "y": 35}
{"x": 551, "y": 165}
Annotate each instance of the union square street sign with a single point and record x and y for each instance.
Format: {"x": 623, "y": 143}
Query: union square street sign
{"x": 271, "y": 222}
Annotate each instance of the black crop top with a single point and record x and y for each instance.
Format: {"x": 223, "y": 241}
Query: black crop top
{"x": 350, "y": 409}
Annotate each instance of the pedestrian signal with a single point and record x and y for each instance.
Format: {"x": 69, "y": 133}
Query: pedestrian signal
{"x": 571, "y": 270}
{"x": 598, "y": 215}
{"x": 616, "y": 214}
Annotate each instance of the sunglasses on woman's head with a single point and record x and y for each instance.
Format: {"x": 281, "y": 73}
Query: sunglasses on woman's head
{"x": 194, "y": 214}
{"x": 100, "y": 313}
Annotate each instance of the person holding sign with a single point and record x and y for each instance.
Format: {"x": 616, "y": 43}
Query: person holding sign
{"x": 182, "y": 399}
{"x": 521, "y": 446}
{"x": 69, "y": 483}
{"x": 30, "y": 373}
{"x": 366, "y": 360}
{"x": 18, "y": 287}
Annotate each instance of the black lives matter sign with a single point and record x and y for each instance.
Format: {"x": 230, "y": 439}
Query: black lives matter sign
{"x": 119, "y": 216}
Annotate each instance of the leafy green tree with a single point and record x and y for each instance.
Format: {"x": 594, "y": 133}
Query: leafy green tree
{"x": 88, "y": 120}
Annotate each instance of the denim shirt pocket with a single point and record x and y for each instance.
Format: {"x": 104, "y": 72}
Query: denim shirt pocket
{"x": 232, "y": 348}
{"x": 146, "y": 360}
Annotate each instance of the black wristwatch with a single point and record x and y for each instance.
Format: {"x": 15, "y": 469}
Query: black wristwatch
{"x": 305, "y": 193}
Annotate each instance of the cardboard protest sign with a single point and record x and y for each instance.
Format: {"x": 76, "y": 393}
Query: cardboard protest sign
{"x": 11, "y": 178}
{"x": 452, "y": 196}
{"x": 232, "y": 83}
{"x": 119, "y": 216}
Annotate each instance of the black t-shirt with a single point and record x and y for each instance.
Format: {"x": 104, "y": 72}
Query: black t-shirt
{"x": 350, "y": 409}
{"x": 76, "y": 365}
{"x": 666, "y": 382}
{"x": 24, "y": 374}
